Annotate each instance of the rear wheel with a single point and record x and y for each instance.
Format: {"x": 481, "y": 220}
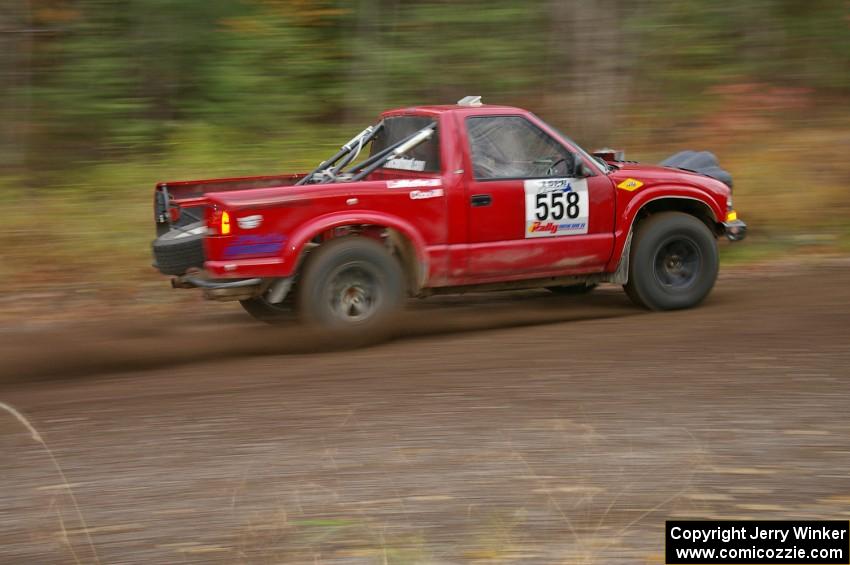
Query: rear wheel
{"x": 674, "y": 262}
{"x": 350, "y": 283}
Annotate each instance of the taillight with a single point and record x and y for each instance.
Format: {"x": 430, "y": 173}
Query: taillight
{"x": 218, "y": 221}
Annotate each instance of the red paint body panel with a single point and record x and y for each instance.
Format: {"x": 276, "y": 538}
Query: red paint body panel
{"x": 497, "y": 246}
{"x": 455, "y": 243}
{"x": 661, "y": 182}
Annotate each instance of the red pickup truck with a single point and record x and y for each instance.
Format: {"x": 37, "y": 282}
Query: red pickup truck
{"x": 447, "y": 199}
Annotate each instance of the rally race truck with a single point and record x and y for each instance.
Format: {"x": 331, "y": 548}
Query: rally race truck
{"x": 447, "y": 199}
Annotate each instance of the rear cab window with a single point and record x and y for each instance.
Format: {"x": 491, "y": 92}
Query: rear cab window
{"x": 423, "y": 158}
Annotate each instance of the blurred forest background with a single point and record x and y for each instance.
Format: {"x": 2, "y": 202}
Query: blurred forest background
{"x": 99, "y": 99}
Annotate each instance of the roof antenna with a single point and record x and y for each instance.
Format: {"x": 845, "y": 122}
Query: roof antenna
{"x": 469, "y": 101}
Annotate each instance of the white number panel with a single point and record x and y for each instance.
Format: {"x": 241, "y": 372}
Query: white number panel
{"x": 555, "y": 207}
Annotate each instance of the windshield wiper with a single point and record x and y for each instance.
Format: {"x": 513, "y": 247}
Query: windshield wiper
{"x": 604, "y": 163}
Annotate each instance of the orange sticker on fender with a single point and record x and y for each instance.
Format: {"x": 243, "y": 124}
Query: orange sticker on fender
{"x": 630, "y": 184}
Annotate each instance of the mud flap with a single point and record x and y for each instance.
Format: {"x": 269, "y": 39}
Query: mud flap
{"x": 621, "y": 275}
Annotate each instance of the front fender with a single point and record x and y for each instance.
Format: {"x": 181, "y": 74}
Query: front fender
{"x": 632, "y": 203}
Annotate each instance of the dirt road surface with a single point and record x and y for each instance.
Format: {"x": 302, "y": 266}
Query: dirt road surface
{"x": 517, "y": 428}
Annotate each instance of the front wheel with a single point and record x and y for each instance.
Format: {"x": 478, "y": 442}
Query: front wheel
{"x": 351, "y": 283}
{"x": 673, "y": 263}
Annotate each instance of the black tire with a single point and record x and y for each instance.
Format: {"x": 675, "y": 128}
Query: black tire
{"x": 572, "y": 289}
{"x": 267, "y": 312}
{"x": 673, "y": 262}
{"x": 187, "y": 217}
{"x": 351, "y": 283}
{"x": 180, "y": 249}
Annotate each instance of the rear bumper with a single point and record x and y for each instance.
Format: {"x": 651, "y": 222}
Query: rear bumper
{"x": 221, "y": 289}
{"x": 264, "y": 267}
{"x": 736, "y": 230}
{"x": 184, "y": 281}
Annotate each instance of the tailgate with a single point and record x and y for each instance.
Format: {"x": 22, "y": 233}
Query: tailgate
{"x": 181, "y": 202}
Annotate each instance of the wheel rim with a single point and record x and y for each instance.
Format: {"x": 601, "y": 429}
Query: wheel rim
{"x": 677, "y": 263}
{"x": 353, "y": 293}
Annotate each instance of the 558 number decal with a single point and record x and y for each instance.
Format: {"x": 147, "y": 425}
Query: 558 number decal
{"x": 556, "y": 207}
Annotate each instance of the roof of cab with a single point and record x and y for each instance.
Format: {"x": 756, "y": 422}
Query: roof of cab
{"x": 433, "y": 110}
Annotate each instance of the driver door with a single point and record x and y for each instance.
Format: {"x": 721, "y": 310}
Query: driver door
{"x": 529, "y": 214}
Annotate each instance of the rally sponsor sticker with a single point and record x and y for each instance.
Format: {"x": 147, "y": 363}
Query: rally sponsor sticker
{"x": 556, "y": 207}
{"x": 426, "y": 194}
{"x": 413, "y": 183}
{"x": 250, "y": 222}
{"x": 405, "y": 164}
{"x": 630, "y": 184}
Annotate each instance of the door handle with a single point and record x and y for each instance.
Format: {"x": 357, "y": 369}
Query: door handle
{"x": 481, "y": 199}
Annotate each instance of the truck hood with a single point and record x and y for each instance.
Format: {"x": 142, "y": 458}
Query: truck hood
{"x": 654, "y": 175}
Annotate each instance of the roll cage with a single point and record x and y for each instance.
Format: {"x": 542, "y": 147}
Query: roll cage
{"x": 333, "y": 169}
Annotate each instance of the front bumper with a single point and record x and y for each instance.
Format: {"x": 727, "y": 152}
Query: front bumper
{"x": 736, "y": 230}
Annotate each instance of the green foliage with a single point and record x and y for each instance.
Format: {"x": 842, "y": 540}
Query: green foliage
{"x": 689, "y": 45}
{"x": 105, "y": 80}
{"x": 99, "y": 99}
{"x": 118, "y": 76}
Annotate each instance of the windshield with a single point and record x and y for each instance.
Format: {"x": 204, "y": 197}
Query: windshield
{"x": 424, "y": 157}
{"x": 599, "y": 163}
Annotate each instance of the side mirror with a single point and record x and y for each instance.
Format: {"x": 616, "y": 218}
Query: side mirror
{"x": 579, "y": 169}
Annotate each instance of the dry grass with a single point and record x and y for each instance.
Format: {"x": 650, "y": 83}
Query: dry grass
{"x": 596, "y": 521}
{"x": 37, "y": 437}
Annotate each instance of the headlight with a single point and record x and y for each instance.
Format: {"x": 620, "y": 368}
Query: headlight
{"x": 731, "y": 215}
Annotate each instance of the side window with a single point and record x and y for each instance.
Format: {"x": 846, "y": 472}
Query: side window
{"x": 511, "y": 147}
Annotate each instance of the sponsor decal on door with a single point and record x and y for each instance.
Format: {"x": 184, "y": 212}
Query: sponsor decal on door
{"x": 556, "y": 207}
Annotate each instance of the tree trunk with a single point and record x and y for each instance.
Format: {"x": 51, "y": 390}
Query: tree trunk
{"x": 589, "y": 82}
{"x": 15, "y": 77}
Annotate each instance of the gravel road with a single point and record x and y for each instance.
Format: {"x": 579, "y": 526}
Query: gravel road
{"x": 513, "y": 427}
